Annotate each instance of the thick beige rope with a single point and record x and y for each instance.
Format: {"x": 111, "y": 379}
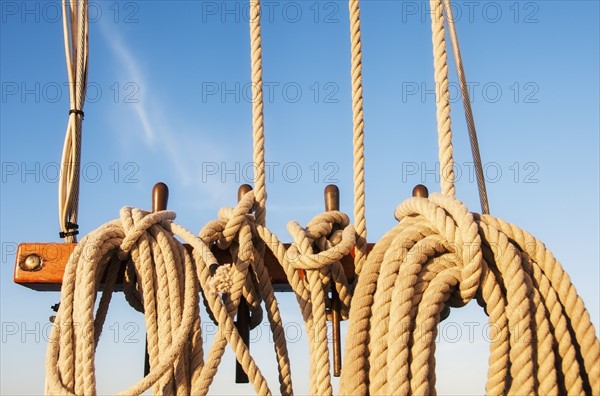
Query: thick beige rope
{"x": 333, "y": 237}
{"x": 360, "y": 222}
{"x": 258, "y": 126}
{"x": 163, "y": 280}
{"x": 543, "y": 341}
{"x": 236, "y": 230}
{"x": 311, "y": 287}
{"x": 75, "y": 26}
{"x": 165, "y": 277}
{"x": 441, "y": 255}
{"x": 442, "y": 95}
{"x": 438, "y": 255}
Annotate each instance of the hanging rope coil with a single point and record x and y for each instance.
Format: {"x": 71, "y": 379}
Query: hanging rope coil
{"x": 442, "y": 255}
{"x": 163, "y": 280}
{"x": 317, "y": 250}
{"x": 543, "y": 341}
{"x": 160, "y": 278}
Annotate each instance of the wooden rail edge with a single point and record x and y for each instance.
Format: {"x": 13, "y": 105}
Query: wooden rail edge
{"x": 54, "y": 258}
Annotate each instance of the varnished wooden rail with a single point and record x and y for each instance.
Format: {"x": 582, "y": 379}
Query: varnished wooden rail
{"x": 54, "y": 257}
{"x": 40, "y": 266}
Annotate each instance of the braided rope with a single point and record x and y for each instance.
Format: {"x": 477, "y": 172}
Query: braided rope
{"x": 438, "y": 255}
{"x": 236, "y": 225}
{"x": 70, "y": 360}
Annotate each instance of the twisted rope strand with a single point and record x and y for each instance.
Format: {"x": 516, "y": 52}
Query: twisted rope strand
{"x": 258, "y": 127}
{"x": 466, "y": 99}
{"x": 360, "y": 223}
{"x": 442, "y": 95}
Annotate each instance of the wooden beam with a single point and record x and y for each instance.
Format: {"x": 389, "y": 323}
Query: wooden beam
{"x": 54, "y": 257}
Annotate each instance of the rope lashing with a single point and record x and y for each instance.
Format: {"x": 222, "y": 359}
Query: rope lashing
{"x": 75, "y": 29}
{"x": 542, "y": 339}
{"x": 235, "y": 230}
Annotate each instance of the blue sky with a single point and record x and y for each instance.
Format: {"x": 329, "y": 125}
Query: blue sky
{"x": 169, "y": 101}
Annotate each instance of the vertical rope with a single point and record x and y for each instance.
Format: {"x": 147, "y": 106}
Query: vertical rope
{"x": 358, "y": 137}
{"x": 258, "y": 129}
{"x": 442, "y": 95}
{"x": 75, "y": 28}
{"x": 464, "y": 89}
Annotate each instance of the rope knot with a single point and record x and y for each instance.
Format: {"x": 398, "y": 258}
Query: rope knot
{"x": 333, "y": 244}
{"x": 221, "y": 281}
{"x": 457, "y": 233}
{"x": 234, "y": 231}
{"x": 234, "y": 219}
{"x": 136, "y": 222}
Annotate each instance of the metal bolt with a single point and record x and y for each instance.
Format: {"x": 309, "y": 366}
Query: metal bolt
{"x": 33, "y": 262}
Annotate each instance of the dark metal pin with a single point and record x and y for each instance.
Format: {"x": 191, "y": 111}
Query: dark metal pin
{"x": 332, "y": 202}
{"x": 160, "y": 197}
{"x": 420, "y": 191}
{"x": 243, "y": 314}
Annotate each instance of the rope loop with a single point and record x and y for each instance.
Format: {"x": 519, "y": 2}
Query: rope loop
{"x": 135, "y": 229}
{"x": 317, "y": 249}
{"x": 159, "y": 278}
{"x": 331, "y": 248}
{"x": 451, "y": 219}
{"x": 438, "y": 255}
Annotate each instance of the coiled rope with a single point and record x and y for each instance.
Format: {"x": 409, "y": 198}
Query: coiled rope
{"x": 160, "y": 277}
{"x": 163, "y": 280}
{"x": 543, "y": 341}
{"x": 317, "y": 250}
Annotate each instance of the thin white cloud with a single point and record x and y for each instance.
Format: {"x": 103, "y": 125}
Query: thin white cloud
{"x": 133, "y": 72}
{"x": 185, "y": 151}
